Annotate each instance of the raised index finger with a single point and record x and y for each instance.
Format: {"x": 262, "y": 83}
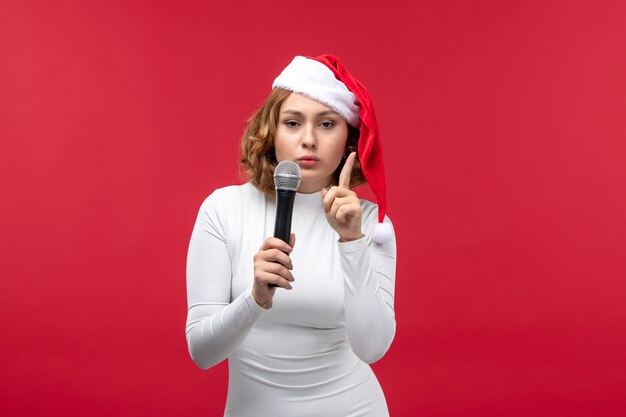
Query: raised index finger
{"x": 344, "y": 176}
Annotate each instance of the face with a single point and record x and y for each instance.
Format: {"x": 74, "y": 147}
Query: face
{"x": 312, "y": 135}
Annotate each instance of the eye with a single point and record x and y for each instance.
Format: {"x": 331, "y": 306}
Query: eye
{"x": 327, "y": 125}
{"x": 290, "y": 123}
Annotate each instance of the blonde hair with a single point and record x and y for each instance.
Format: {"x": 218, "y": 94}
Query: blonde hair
{"x": 258, "y": 159}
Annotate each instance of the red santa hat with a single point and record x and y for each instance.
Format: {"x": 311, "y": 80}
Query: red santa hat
{"x": 325, "y": 79}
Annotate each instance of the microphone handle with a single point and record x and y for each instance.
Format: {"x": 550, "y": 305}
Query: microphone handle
{"x": 284, "y": 210}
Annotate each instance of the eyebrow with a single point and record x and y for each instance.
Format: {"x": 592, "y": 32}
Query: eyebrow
{"x": 323, "y": 113}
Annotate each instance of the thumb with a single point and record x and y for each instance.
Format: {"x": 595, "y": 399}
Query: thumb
{"x": 324, "y": 192}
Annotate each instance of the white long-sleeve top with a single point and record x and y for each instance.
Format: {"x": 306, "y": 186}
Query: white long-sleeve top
{"x": 308, "y": 353}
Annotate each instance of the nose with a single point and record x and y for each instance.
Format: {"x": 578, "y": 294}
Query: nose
{"x": 309, "y": 140}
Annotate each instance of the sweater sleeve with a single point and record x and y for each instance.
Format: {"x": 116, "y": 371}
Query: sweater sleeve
{"x": 369, "y": 272}
{"x": 215, "y": 325}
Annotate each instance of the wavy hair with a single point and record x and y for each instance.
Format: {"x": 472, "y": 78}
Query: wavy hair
{"x": 258, "y": 159}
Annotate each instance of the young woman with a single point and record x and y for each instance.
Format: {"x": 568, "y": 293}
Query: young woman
{"x": 301, "y": 347}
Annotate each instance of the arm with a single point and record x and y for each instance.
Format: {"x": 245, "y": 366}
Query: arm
{"x": 215, "y": 326}
{"x": 369, "y": 276}
{"x": 368, "y": 269}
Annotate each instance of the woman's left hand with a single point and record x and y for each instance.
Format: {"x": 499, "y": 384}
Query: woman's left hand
{"x": 342, "y": 206}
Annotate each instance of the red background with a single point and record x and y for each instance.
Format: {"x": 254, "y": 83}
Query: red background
{"x": 504, "y": 131}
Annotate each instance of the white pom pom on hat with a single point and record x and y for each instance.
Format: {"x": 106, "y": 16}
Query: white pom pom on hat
{"x": 382, "y": 232}
{"x": 325, "y": 79}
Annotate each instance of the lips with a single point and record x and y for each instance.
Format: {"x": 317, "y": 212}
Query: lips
{"x": 308, "y": 161}
{"x": 308, "y": 158}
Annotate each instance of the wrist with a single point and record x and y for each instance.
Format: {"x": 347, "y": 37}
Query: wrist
{"x": 266, "y": 304}
{"x": 344, "y": 239}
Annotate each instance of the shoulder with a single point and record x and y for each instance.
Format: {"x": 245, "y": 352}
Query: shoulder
{"x": 370, "y": 211}
{"x": 368, "y": 208}
{"x": 224, "y": 208}
{"x": 370, "y": 215}
{"x": 232, "y": 196}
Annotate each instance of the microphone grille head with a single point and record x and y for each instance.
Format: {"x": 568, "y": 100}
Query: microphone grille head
{"x": 287, "y": 176}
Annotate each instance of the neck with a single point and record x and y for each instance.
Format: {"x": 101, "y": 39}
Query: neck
{"x": 310, "y": 188}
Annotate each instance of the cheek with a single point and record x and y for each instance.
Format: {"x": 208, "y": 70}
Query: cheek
{"x": 284, "y": 150}
{"x": 280, "y": 145}
{"x": 336, "y": 156}
{"x": 279, "y": 151}
{"x": 340, "y": 146}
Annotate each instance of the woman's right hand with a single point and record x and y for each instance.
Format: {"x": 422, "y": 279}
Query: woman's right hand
{"x": 272, "y": 265}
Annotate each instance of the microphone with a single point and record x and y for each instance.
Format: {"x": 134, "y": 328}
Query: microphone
{"x": 286, "y": 180}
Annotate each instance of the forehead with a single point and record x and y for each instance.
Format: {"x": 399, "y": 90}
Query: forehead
{"x": 303, "y": 104}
